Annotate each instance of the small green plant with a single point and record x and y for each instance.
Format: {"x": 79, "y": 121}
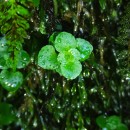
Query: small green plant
{"x": 110, "y": 123}
{"x": 65, "y": 54}
{"x": 10, "y": 78}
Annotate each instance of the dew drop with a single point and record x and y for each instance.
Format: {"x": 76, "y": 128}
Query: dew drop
{"x": 9, "y": 84}
{"x": 6, "y": 83}
{"x": 25, "y": 59}
{"x": 13, "y": 85}
{"x": 23, "y": 64}
{"x": 35, "y": 123}
{"x": 59, "y": 40}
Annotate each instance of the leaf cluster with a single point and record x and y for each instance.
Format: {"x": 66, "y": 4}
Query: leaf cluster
{"x": 66, "y": 59}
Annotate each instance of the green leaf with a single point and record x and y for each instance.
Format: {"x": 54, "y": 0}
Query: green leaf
{"x": 7, "y": 114}
{"x": 113, "y": 122}
{"x": 68, "y": 56}
{"x": 84, "y": 47}
{"x": 47, "y": 58}
{"x": 64, "y": 41}
{"x": 10, "y": 80}
{"x": 22, "y": 11}
{"x": 101, "y": 121}
{"x": 23, "y": 59}
{"x": 122, "y": 127}
{"x": 102, "y": 4}
{"x": 71, "y": 70}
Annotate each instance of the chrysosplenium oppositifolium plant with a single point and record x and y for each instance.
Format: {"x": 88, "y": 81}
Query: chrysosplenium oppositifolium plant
{"x": 65, "y": 54}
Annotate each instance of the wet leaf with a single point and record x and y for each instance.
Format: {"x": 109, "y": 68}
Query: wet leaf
{"x": 7, "y": 115}
{"x": 71, "y": 70}
{"x": 113, "y": 122}
{"x": 68, "y": 56}
{"x": 47, "y": 58}
{"x": 84, "y": 47}
{"x": 11, "y": 81}
{"x": 23, "y": 59}
{"x": 64, "y": 41}
{"x": 101, "y": 121}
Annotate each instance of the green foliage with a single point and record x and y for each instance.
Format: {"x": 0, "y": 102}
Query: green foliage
{"x": 110, "y": 123}
{"x": 85, "y": 48}
{"x": 47, "y": 100}
{"x": 47, "y": 58}
{"x": 71, "y": 51}
{"x": 23, "y": 59}
{"x": 64, "y": 41}
{"x": 7, "y": 115}
{"x": 14, "y": 23}
{"x": 11, "y": 81}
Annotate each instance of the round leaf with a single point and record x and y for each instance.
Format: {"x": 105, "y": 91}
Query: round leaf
{"x": 68, "y": 56}
{"x": 64, "y": 41}
{"x": 71, "y": 70}
{"x": 23, "y": 59}
{"x": 85, "y": 48}
{"x": 47, "y": 58}
{"x": 112, "y": 122}
{"x": 7, "y": 116}
{"x": 101, "y": 121}
{"x": 11, "y": 81}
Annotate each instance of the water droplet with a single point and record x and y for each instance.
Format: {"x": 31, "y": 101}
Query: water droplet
{"x": 25, "y": 59}
{"x": 35, "y": 123}
{"x": 2, "y": 77}
{"x": 78, "y": 105}
{"x": 2, "y": 45}
{"x": 59, "y": 40}
{"x": 13, "y": 85}
{"x": 6, "y": 83}
{"x": 61, "y": 115}
{"x": 23, "y": 64}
